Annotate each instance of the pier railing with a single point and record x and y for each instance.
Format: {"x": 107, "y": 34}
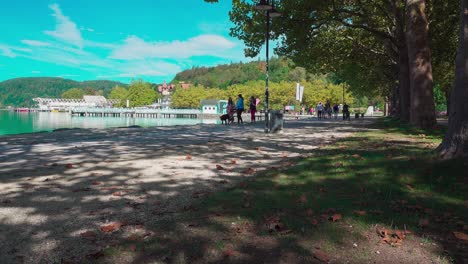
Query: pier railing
{"x": 138, "y": 112}
{"x": 133, "y": 110}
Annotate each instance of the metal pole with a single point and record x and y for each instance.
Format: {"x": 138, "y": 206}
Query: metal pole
{"x": 343, "y": 93}
{"x": 267, "y": 127}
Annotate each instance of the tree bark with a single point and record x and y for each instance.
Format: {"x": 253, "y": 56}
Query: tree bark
{"x": 455, "y": 143}
{"x": 395, "y": 102}
{"x": 422, "y": 111}
{"x": 447, "y": 99}
{"x": 404, "y": 83}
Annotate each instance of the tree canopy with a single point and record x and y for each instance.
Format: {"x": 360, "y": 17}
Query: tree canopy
{"x": 140, "y": 93}
{"x": 281, "y": 93}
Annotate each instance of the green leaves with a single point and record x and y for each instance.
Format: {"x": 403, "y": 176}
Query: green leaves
{"x": 140, "y": 93}
{"x": 74, "y": 93}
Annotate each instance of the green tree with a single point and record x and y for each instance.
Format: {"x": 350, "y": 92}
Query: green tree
{"x": 140, "y": 93}
{"x": 74, "y": 93}
{"x": 91, "y": 91}
{"x": 334, "y": 36}
{"x": 119, "y": 93}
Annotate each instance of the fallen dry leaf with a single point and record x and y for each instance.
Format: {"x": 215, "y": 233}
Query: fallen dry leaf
{"x": 314, "y": 221}
{"x": 249, "y": 171}
{"x": 409, "y": 187}
{"x": 243, "y": 185}
{"x": 131, "y": 247}
{"x": 461, "y": 236}
{"x": 82, "y": 189}
{"x": 88, "y": 234}
{"x": 273, "y": 223}
{"x": 109, "y": 188}
{"x": 393, "y": 238}
{"x": 233, "y": 162}
{"x": 336, "y": 217}
{"x": 97, "y": 183}
{"x": 423, "y": 222}
{"x": 111, "y": 227}
{"x": 360, "y": 212}
{"x": 400, "y": 234}
{"x": 428, "y": 211}
{"x": 230, "y": 253}
{"x": 188, "y": 157}
{"x": 95, "y": 255}
{"x": 219, "y": 167}
{"x": 322, "y": 256}
{"x": 303, "y": 198}
{"x": 338, "y": 164}
{"x": 69, "y": 165}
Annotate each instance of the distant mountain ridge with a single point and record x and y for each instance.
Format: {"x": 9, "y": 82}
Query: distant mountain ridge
{"x": 20, "y": 91}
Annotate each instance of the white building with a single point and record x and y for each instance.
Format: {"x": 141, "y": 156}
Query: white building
{"x": 56, "y": 104}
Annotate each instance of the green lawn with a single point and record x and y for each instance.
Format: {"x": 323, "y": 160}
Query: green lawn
{"x": 385, "y": 178}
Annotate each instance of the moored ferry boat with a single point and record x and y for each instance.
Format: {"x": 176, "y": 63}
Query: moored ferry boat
{"x": 22, "y": 110}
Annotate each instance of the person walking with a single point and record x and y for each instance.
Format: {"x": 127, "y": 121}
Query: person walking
{"x": 240, "y": 108}
{"x": 336, "y": 110}
{"x": 253, "y": 109}
{"x": 346, "y": 115}
{"x": 320, "y": 110}
{"x": 327, "y": 110}
{"x": 230, "y": 110}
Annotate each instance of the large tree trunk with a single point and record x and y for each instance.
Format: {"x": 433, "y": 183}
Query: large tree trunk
{"x": 395, "y": 103}
{"x": 422, "y": 113}
{"x": 455, "y": 143}
{"x": 447, "y": 99}
{"x": 404, "y": 83}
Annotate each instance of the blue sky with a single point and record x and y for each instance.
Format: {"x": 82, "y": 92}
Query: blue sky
{"x": 113, "y": 39}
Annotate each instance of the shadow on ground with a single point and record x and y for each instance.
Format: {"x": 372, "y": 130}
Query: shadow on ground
{"x": 161, "y": 191}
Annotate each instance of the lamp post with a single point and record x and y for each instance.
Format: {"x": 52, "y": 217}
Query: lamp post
{"x": 270, "y": 12}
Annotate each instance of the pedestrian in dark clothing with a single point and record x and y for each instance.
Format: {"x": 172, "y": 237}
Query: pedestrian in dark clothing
{"x": 240, "y": 108}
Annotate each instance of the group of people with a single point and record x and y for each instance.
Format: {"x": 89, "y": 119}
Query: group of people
{"x": 239, "y": 109}
{"x": 326, "y": 111}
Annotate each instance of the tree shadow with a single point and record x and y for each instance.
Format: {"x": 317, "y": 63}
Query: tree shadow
{"x": 175, "y": 205}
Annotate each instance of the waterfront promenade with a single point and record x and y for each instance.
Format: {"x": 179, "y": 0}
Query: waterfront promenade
{"x": 58, "y": 188}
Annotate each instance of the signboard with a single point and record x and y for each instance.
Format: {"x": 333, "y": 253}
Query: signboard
{"x": 299, "y": 92}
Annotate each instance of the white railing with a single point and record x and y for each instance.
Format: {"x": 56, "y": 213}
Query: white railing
{"x": 133, "y": 110}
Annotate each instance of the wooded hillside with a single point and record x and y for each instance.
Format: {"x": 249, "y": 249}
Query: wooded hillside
{"x": 21, "y": 91}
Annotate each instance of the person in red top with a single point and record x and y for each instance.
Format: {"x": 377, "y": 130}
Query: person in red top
{"x": 253, "y": 109}
{"x": 231, "y": 109}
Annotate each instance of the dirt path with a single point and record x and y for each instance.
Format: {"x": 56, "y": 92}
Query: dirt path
{"x": 56, "y": 186}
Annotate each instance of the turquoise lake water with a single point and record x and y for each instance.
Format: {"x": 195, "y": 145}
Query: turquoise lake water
{"x": 18, "y": 123}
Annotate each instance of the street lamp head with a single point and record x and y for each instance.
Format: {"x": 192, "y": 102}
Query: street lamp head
{"x": 263, "y": 6}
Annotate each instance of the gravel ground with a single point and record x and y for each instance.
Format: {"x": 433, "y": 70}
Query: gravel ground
{"x": 56, "y": 186}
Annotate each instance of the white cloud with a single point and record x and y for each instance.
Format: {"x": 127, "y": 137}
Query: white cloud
{"x": 11, "y": 51}
{"x": 142, "y": 68}
{"x": 87, "y": 29}
{"x": 137, "y": 48}
{"x": 95, "y": 44}
{"x": 65, "y": 30}
{"x": 7, "y": 52}
{"x": 35, "y": 43}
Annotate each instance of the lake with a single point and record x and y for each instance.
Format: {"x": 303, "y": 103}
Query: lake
{"x": 18, "y": 123}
